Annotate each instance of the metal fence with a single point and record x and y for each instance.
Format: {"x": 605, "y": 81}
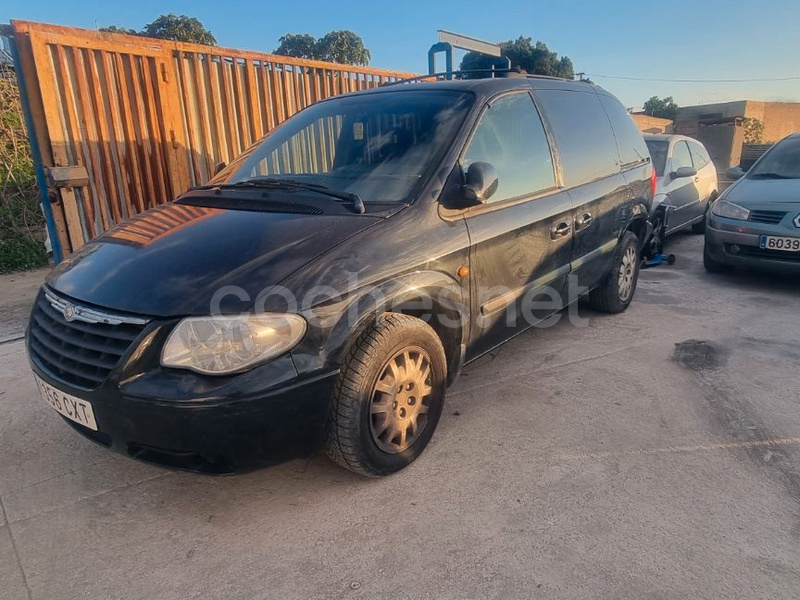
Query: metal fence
{"x": 147, "y": 118}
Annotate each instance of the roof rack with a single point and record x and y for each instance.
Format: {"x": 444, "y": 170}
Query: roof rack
{"x": 469, "y": 73}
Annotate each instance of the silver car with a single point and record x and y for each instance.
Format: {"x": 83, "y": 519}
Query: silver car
{"x": 686, "y": 184}
{"x": 756, "y": 221}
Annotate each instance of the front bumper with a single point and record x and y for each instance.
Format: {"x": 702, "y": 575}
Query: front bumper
{"x": 723, "y": 236}
{"x": 202, "y": 432}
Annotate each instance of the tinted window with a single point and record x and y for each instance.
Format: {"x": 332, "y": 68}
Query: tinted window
{"x": 380, "y": 146}
{"x": 582, "y": 133}
{"x": 681, "y": 156}
{"x": 658, "y": 152}
{"x": 511, "y": 137}
{"x": 699, "y": 156}
{"x": 629, "y": 139}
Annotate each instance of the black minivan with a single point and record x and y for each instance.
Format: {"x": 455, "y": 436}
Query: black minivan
{"x": 327, "y": 286}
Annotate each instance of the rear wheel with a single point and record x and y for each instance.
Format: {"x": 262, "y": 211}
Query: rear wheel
{"x": 616, "y": 292}
{"x": 388, "y": 398}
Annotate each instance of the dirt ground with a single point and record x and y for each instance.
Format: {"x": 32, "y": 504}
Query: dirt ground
{"x": 17, "y": 292}
{"x": 653, "y": 454}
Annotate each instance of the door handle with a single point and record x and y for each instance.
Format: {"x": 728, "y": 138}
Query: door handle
{"x": 560, "y": 230}
{"x": 583, "y": 221}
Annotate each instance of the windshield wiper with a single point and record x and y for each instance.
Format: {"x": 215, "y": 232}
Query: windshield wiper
{"x": 768, "y": 175}
{"x": 279, "y": 183}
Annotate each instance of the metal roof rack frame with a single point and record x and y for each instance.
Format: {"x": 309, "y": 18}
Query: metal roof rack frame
{"x": 487, "y": 74}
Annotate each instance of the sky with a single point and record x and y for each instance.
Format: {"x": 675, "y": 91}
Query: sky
{"x": 608, "y": 40}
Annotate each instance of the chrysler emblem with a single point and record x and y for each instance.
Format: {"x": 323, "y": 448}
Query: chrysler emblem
{"x": 797, "y": 221}
{"x": 69, "y": 311}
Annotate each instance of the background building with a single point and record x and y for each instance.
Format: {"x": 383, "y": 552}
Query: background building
{"x": 723, "y": 128}
{"x": 648, "y": 124}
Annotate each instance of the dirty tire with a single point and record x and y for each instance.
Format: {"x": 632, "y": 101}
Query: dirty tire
{"x": 349, "y": 438}
{"x": 607, "y": 296}
{"x": 712, "y": 265}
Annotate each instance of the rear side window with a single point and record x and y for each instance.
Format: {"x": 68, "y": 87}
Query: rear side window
{"x": 658, "y": 152}
{"x": 511, "y": 137}
{"x": 681, "y": 156}
{"x": 699, "y": 155}
{"x": 582, "y": 133}
{"x": 632, "y": 149}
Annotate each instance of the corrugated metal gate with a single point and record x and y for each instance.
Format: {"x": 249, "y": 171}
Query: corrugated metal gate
{"x": 147, "y": 118}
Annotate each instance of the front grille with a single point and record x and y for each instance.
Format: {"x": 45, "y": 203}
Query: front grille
{"x": 764, "y": 253}
{"x": 79, "y": 352}
{"x": 770, "y": 217}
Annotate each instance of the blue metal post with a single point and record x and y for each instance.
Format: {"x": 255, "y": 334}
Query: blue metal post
{"x": 448, "y": 50}
{"x": 41, "y": 179}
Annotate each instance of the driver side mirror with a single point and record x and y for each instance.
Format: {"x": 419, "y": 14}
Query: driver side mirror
{"x": 734, "y": 173}
{"x": 482, "y": 182}
{"x": 684, "y": 172}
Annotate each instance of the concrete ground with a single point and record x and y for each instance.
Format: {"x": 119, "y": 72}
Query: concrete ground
{"x": 17, "y": 292}
{"x": 591, "y": 462}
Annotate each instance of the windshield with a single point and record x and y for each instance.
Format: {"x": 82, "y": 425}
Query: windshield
{"x": 381, "y": 147}
{"x": 782, "y": 161}
{"x": 658, "y": 152}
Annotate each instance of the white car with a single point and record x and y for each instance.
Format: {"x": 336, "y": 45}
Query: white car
{"x": 686, "y": 185}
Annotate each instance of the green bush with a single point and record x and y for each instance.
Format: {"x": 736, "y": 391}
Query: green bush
{"x": 22, "y": 225}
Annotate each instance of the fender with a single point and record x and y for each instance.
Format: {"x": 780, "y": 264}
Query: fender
{"x": 639, "y": 222}
{"x": 433, "y": 296}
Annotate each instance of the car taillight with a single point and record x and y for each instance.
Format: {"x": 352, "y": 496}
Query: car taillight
{"x": 653, "y": 182}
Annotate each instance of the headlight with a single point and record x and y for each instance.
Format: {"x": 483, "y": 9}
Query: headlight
{"x": 220, "y": 345}
{"x": 723, "y": 208}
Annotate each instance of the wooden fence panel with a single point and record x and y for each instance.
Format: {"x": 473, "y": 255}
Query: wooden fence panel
{"x": 148, "y": 118}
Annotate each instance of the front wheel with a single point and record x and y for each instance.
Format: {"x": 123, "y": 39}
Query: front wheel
{"x": 616, "y": 292}
{"x": 656, "y": 244}
{"x": 388, "y": 397}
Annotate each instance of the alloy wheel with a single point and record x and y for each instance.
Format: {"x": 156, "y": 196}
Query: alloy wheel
{"x": 627, "y": 273}
{"x": 400, "y": 400}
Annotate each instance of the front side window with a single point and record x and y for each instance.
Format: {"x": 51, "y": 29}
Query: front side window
{"x": 510, "y": 136}
{"x": 699, "y": 156}
{"x": 380, "y": 146}
{"x": 681, "y": 156}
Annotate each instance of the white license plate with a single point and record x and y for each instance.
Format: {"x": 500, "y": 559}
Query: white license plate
{"x": 71, "y": 407}
{"x": 787, "y": 244}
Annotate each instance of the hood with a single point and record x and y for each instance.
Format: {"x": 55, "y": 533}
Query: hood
{"x": 171, "y": 260}
{"x": 766, "y": 194}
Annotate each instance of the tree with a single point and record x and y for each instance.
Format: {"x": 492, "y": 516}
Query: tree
{"x": 753, "y": 131}
{"x": 298, "y": 45}
{"x": 115, "y": 29}
{"x": 343, "y": 47}
{"x": 665, "y": 109}
{"x": 536, "y": 59}
{"x": 178, "y": 28}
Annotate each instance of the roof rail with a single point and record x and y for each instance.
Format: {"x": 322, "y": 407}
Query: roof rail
{"x": 470, "y": 73}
